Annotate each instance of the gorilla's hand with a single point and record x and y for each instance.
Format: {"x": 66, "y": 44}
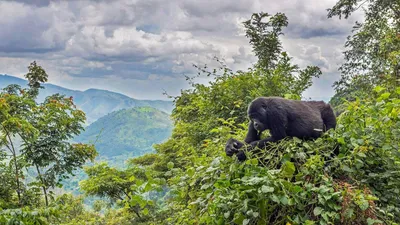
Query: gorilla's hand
{"x": 241, "y": 156}
{"x": 232, "y": 147}
{"x": 253, "y": 145}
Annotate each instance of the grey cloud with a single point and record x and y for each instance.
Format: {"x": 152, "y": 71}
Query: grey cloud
{"x": 39, "y": 3}
{"x": 307, "y": 20}
{"x": 213, "y": 8}
{"x": 130, "y": 44}
{"x": 313, "y": 54}
{"x": 30, "y": 29}
{"x": 151, "y": 39}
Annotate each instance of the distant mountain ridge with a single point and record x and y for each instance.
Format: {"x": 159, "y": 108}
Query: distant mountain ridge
{"x": 128, "y": 132}
{"x": 121, "y": 135}
{"x": 94, "y": 102}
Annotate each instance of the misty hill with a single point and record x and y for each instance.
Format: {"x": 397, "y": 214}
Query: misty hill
{"x": 128, "y": 132}
{"x": 94, "y": 102}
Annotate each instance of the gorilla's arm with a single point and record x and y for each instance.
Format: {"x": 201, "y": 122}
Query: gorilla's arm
{"x": 252, "y": 134}
{"x": 276, "y": 123}
{"x": 233, "y": 146}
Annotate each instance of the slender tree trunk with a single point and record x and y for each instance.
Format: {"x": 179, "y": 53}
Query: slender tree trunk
{"x": 14, "y": 154}
{"x": 43, "y": 185}
{"x": 137, "y": 214}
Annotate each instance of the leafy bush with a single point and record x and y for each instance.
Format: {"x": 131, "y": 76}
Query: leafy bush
{"x": 300, "y": 182}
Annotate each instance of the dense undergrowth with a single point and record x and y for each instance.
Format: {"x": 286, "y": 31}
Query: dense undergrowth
{"x": 300, "y": 182}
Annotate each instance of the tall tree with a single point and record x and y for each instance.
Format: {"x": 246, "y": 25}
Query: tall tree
{"x": 45, "y": 130}
{"x": 264, "y": 37}
{"x": 15, "y": 107}
{"x": 373, "y": 55}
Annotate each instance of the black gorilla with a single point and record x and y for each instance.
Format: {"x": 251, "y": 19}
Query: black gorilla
{"x": 283, "y": 117}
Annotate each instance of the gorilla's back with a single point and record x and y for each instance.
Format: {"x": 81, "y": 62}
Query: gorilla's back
{"x": 304, "y": 117}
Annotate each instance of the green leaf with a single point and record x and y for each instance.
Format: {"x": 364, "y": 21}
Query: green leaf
{"x": 305, "y": 144}
{"x": 363, "y": 204}
{"x": 317, "y": 211}
{"x": 170, "y": 165}
{"x": 267, "y": 189}
{"x": 288, "y": 169}
{"x": 275, "y": 198}
{"x": 349, "y": 213}
{"x": 254, "y": 162}
{"x": 325, "y": 216}
{"x": 284, "y": 200}
{"x": 239, "y": 218}
{"x": 385, "y": 95}
{"x": 227, "y": 214}
{"x": 145, "y": 211}
{"x": 371, "y": 221}
{"x": 347, "y": 169}
{"x": 341, "y": 140}
{"x": 191, "y": 171}
{"x": 379, "y": 89}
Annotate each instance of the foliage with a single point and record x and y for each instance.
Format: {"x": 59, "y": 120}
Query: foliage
{"x": 127, "y": 188}
{"x": 371, "y": 129}
{"x": 291, "y": 182}
{"x": 372, "y": 57}
{"x": 264, "y": 37}
{"x": 44, "y": 131}
{"x": 348, "y": 176}
{"x": 299, "y": 182}
{"x": 199, "y": 110}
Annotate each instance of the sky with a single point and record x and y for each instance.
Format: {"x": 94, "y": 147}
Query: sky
{"x": 142, "y": 48}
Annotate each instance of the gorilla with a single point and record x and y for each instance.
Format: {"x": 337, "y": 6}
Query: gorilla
{"x": 283, "y": 118}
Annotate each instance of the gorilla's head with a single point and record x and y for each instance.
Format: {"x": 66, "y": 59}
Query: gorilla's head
{"x": 258, "y": 114}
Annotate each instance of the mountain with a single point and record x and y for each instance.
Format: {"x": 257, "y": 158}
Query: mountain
{"x": 121, "y": 135}
{"x": 94, "y": 102}
{"x": 128, "y": 132}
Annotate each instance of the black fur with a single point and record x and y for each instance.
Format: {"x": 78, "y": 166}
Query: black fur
{"x": 283, "y": 117}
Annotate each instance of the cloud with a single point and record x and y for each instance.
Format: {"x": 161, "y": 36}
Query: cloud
{"x": 130, "y": 44}
{"x": 31, "y": 29}
{"x": 35, "y": 2}
{"x": 149, "y": 45}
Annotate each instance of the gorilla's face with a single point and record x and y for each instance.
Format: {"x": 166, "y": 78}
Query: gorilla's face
{"x": 258, "y": 120}
{"x": 257, "y": 124}
{"x": 258, "y": 115}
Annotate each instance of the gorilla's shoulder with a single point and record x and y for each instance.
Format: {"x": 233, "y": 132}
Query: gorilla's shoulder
{"x": 269, "y": 100}
{"x": 275, "y": 101}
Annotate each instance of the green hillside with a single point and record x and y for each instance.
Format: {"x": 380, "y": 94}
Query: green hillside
{"x": 128, "y": 131}
{"x": 94, "y": 102}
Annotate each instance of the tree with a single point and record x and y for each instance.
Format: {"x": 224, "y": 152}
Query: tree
{"x": 129, "y": 188}
{"x": 50, "y": 152}
{"x": 373, "y": 52}
{"x": 45, "y": 130}
{"x": 15, "y": 108}
{"x": 264, "y": 37}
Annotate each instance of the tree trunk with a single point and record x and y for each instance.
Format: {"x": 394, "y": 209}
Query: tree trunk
{"x": 43, "y": 185}
{"x": 12, "y": 150}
